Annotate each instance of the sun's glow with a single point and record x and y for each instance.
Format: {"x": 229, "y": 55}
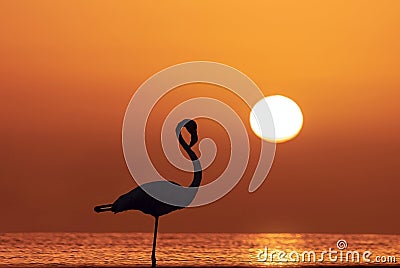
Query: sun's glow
{"x": 286, "y": 115}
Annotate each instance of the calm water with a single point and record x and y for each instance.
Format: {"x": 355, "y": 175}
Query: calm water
{"x": 133, "y": 249}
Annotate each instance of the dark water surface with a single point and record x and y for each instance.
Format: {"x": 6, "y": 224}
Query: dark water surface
{"x": 134, "y": 249}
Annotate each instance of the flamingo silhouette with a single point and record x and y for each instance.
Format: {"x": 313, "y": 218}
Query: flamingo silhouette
{"x": 139, "y": 199}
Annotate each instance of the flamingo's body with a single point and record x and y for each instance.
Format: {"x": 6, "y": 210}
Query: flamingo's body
{"x": 139, "y": 199}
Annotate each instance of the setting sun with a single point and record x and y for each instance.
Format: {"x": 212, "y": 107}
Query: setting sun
{"x": 286, "y": 116}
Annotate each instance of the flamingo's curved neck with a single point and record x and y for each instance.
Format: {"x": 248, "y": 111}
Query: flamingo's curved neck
{"x": 197, "y": 173}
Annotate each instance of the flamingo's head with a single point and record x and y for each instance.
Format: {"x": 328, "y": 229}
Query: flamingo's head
{"x": 191, "y": 127}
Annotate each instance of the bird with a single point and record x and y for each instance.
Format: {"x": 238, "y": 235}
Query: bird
{"x": 140, "y": 199}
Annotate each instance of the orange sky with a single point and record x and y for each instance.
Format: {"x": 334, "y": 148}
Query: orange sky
{"x": 69, "y": 68}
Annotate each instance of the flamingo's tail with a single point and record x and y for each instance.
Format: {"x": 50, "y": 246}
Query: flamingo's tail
{"x": 103, "y": 208}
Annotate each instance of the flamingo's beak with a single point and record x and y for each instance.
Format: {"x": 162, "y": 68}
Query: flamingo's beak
{"x": 193, "y": 138}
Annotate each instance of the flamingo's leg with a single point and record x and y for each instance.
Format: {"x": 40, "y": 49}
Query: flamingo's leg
{"x": 153, "y": 253}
